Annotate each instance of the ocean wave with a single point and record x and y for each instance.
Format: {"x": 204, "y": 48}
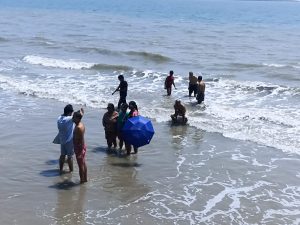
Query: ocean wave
{"x": 2, "y": 39}
{"x": 57, "y": 63}
{"x": 111, "y": 67}
{"x": 245, "y": 65}
{"x": 150, "y": 56}
{"x": 102, "y": 51}
{"x": 71, "y": 64}
{"x": 275, "y": 65}
{"x": 253, "y": 111}
{"x": 259, "y": 87}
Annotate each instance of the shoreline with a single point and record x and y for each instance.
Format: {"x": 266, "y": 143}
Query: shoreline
{"x": 181, "y": 165}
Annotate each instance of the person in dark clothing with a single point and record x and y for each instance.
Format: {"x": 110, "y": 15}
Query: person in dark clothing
{"x": 122, "y": 88}
{"x": 169, "y": 81}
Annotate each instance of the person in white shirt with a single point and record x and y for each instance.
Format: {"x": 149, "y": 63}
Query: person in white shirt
{"x": 65, "y": 127}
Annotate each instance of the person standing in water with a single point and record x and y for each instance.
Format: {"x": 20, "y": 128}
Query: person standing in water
{"x": 109, "y": 122}
{"x": 169, "y": 81}
{"x": 65, "y": 127}
{"x": 193, "y": 87}
{"x": 201, "y": 90}
{"x": 123, "y": 116}
{"x": 79, "y": 145}
{"x": 133, "y": 112}
{"x": 122, "y": 88}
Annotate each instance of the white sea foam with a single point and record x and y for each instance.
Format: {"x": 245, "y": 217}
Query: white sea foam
{"x": 254, "y": 111}
{"x": 57, "y": 63}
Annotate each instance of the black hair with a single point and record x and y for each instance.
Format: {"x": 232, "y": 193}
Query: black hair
{"x": 68, "y": 109}
{"x": 200, "y": 78}
{"x": 171, "y": 72}
{"x": 121, "y": 77}
{"x": 77, "y": 115}
{"x": 134, "y": 104}
{"x": 110, "y": 105}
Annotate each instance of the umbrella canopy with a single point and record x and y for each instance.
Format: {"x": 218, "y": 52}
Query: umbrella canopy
{"x": 138, "y": 131}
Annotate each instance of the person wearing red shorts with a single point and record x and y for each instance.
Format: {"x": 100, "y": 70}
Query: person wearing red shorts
{"x": 79, "y": 145}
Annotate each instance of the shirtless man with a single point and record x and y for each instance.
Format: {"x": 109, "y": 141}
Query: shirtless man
{"x": 180, "y": 110}
{"x": 201, "y": 90}
{"x": 193, "y": 86}
{"x": 169, "y": 81}
{"x": 79, "y": 145}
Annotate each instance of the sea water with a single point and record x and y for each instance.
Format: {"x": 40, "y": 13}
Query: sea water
{"x": 246, "y": 51}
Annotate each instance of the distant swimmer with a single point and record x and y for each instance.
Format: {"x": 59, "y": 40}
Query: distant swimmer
{"x": 122, "y": 88}
{"x": 193, "y": 86}
{"x": 169, "y": 82}
{"x": 201, "y": 90}
{"x": 180, "y": 110}
{"x": 79, "y": 145}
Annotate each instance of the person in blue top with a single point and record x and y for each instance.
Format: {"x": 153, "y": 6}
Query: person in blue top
{"x": 65, "y": 127}
{"x": 123, "y": 116}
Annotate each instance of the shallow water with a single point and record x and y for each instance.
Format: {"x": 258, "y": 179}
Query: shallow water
{"x": 235, "y": 163}
{"x": 247, "y": 52}
{"x": 186, "y": 176}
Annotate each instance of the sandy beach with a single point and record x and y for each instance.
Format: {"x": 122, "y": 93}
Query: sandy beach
{"x": 185, "y": 176}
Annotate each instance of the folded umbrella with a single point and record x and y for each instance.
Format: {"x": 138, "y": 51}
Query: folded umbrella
{"x": 138, "y": 131}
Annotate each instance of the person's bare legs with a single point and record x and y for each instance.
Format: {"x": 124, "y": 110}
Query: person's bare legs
{"x": 114, "y": 141}
{"x": 128, "y": 148}
{"x": 61, "y": 163}
{"x": 169, "y": 91}
{"x": 121, "y": 142}
{"x": 85, "y": 172}
{"x": 70, "y": 163}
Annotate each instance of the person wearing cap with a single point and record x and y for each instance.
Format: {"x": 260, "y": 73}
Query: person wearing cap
{"x": 122, "y": 88}
{"x": 180, "y": 110}
{"x": 193, "y": 87}
{"x": 65, "y": 127}
{"x": 201, "y": 90}
{"x": 109, "y": 122}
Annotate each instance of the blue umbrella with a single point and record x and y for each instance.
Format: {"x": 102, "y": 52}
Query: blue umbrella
{"x": 138, "y": 131}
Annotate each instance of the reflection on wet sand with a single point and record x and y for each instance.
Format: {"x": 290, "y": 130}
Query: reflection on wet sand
{"x": 178, "y": 134}
{"x": 120, "y": 178}
{"x": 70, "y": 201}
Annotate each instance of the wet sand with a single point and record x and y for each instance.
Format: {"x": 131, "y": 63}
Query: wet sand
{"x": 185, "y": 176}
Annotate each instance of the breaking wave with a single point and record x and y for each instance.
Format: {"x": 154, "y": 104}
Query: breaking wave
{"x": 71, "y": 64}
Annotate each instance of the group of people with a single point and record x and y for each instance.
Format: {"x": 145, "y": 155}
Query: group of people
{"x": 113, "y": 122}
{"x": 196, "y": 87}
{"x": 72, "y": 130}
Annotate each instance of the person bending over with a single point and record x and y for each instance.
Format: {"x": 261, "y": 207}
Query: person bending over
{"x": 180, "y": 110}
